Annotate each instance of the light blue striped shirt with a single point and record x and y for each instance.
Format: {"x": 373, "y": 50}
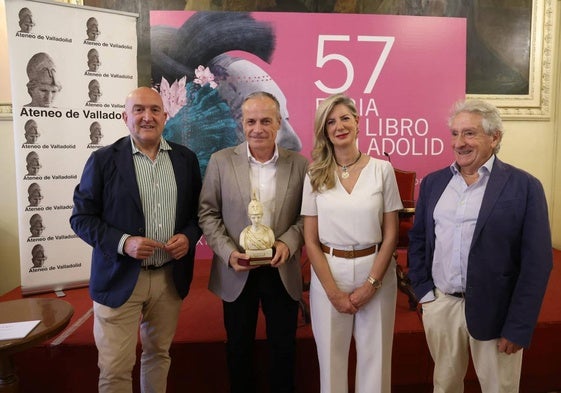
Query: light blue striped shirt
{"x": 455, "y": 216}
{"x": 158, "y": 193}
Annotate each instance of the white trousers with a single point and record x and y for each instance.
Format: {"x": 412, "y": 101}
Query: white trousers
{"x": 450, "y": 345}
{"x": 154, "y": 305}
{"x": 372, "y": 328}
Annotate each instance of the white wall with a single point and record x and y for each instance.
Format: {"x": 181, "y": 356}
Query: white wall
{"x": 555, "y": 204}
{"x": 9, "y": 250}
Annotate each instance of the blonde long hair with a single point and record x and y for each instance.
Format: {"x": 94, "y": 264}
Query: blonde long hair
{"x": 323, "y": 166}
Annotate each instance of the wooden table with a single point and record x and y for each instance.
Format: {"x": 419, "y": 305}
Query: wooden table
{"x": 54, "y": 314}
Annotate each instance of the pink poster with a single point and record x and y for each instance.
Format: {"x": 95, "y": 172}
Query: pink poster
{"x": 403, "y": 72}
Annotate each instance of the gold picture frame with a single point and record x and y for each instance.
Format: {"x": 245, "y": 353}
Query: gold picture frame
{"x": 5, "y": 111}
{"x": 536, "y": 104}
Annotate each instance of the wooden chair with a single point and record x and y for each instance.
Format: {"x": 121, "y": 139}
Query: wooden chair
{"x": 406, "y": 186}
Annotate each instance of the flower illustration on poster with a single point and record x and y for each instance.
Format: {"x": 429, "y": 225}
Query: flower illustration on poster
{"x": 174, "y": 96}
{"x": 197, "y": 116}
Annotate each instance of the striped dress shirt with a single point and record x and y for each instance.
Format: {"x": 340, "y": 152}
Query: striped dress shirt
{"x": 158, "y": 193}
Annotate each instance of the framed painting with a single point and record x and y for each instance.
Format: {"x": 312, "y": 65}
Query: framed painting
{"x": 525, "y": 45}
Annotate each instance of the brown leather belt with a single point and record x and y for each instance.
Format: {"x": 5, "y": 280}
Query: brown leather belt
{"x": 460, "y": 295}
{"x": 154, "y": 267}
{"x": 349, "y": 254}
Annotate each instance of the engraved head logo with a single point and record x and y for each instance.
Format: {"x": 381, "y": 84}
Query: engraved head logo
{"x": 92, "y": 29}
{"x": 38, "y": 256}
{"x": 25, "y": 20}
{"x": 95, "y": 133}
{"x": 43, "y": 84}
{"x": 33, "y": 165}
{"x": 31, "y": 132}
{"x": 93, "y": 60}
{"x": 36, "y": 225}
{"x": 34, "y": 195}
{"x": 94, "y": 90}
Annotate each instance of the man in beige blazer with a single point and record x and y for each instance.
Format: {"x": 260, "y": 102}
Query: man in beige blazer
{"x": 276, "y": 175}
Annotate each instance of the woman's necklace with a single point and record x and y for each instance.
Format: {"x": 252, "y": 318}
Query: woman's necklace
{"x": 345, "y": 168}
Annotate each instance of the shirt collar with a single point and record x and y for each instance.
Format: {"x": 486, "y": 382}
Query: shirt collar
{"x": 272, "y": 160}
{"x": 485, "y": 168}
{"x": 164, "y": 145}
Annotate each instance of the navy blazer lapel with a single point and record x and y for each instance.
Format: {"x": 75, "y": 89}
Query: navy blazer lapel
{"x": 179, "y": 170}
{"x": 497, "y": 181}
{"x": 125, "y": 167}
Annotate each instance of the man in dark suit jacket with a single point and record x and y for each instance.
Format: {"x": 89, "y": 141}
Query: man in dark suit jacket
{"x": 136, "y": 205}
{"x": 480, "y": 255}
{"x": 276, "y": 175}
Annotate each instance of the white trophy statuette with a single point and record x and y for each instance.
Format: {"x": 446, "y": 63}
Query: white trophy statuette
{"x": 257, "y": 239}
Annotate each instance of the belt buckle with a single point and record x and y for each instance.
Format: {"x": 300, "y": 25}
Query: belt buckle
{"x": 459, "y": 295}
{"x": 350, "y": 254}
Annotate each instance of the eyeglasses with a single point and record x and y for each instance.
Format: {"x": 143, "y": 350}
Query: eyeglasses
{"x": 466, "y": 134}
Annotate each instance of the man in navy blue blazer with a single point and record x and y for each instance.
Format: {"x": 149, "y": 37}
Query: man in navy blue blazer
{"x": 136, "y": 205}
{"x": 480, "y": 255}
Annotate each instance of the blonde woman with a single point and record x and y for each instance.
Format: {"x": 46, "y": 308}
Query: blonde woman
{"x": 350, "y": 204}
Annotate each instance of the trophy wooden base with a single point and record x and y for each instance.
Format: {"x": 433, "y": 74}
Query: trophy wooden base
{"x": 257, "y": 257}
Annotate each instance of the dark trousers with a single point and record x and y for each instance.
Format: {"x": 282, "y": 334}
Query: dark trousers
{"x": 263, "y": 286}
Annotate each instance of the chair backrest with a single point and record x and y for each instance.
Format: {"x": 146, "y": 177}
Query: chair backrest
{"x": 406, "y": 186}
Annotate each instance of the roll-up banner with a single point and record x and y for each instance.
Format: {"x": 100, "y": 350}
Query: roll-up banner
{"x": 71, "y": 69}
{"x": 403, "y": 72}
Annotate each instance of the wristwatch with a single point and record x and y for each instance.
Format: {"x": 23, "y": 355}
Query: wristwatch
{"x": 377, "y": 284}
